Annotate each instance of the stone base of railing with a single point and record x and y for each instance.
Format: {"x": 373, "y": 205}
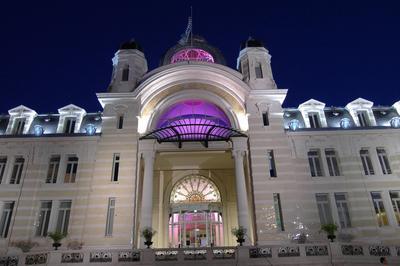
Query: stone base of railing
{"x": 291, "y": 254}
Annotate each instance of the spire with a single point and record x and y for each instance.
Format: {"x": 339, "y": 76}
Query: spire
{"x": 188, "y": 32}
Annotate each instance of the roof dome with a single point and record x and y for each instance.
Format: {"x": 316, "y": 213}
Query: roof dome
{"x": 132, "y": 44}
{"x": 251, "y": 42}
{"x": 192, "y": 49}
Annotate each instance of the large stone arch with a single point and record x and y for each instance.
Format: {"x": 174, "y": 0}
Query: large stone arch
{"x": 198, "y": 80}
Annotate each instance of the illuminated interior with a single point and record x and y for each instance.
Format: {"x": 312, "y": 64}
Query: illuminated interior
{"x": 192, "y": 54}
{"x": 196, "y": 219}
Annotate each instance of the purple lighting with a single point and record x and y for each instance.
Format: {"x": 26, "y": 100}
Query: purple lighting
{"x": 193, "y": 120}
{"x": 192, "y": 54}
{"x": 193, "y": 111}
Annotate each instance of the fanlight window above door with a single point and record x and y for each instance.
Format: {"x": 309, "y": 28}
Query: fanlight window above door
{"x": 195, "y": 189}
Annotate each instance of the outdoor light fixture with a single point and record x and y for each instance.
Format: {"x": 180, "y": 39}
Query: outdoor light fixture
{"x": 90, "y": 129}
{"x": 395, "y": 122}
{"x": 38, "y": 130}
{"x": 47, "y": 119}
{"x": 345, "y": 123}
{"x": 294, "y": 124}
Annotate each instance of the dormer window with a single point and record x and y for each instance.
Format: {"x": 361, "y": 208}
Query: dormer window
{"x": 313, "y": 114}
{"x": 19, "y": 126}
{"x": 69, "y": 126}
{"x": 313, "y": 118}
{"x": 363, "y": 118}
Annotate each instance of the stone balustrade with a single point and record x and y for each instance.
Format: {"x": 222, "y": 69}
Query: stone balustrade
{"x": 296, "y": 254}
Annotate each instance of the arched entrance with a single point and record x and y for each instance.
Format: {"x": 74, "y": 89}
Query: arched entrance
{"x": 195, "y": 218}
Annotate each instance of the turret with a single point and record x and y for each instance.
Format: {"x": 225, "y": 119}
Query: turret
{"x": 129, "y": 66}
{"x": 254, "y": 62}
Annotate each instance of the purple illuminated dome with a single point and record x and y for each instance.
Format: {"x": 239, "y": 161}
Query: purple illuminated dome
{"x": 193, "y": 112}
{"x": 193, "y": 120}
{"x": 192, "y": 54}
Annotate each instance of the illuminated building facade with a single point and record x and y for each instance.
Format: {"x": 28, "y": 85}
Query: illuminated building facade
{"x": 193, "y": 149}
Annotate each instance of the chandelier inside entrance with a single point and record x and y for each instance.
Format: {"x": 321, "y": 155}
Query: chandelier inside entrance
{"x": 193, "y": 120}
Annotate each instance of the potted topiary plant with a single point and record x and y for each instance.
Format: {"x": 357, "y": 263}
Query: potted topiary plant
{"x": 330, "y": 230}
{"x": 147, "y": 234}
{"x": 56, "y": 237}
{"x": 24, "y": 245}
{"x": 240, "y": 233}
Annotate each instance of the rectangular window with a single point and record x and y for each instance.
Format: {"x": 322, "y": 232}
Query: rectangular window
{"x": 63, "y": 216}
{"x": 125, "y": 74}
{"x": 19, "y": 126}
{"x": 332, "y": 161}
{"x": 115, "y": 167}
{"x": 314, "y": 160}
{"x": 379, "y": 207}
{"x": 271, "y": 163}
{"x": 363, "y": 118}
{"x": 110, "y": 216}
{"x": 324, "y": 208}
{"x": 52, "y": 172}
{"x": 69, "y": 127}
{"x": 72, "y": 167}
{"x": 383, "y": 161}
{"x": 366, "y": 162}
{"x": 5, "y": 219}
{"x": 3, "y": 163}
{"x": 314, "y": 120}
{"x": 44, "y": 218}
{"x": 395, "y": 197}
{"x": 120, "y": 124}
{"x": 259, "y": 73}
{"x": 265, "y": 119}
{"x": 278, "y": 212}
{"x": 343, "y": 209}
{"x": 245, "y": 69}
{"x": 17, "y": 170}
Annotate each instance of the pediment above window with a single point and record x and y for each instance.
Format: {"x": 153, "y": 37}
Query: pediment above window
{"x": 361, "y": 112}
{"x": 22, "y": 115}
{"x": 313, "y": 113}
{"x": 70, "y": 111}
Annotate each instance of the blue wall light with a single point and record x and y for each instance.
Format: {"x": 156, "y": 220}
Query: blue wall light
{"x": 294, "y": 124}
{"x": 395, "y": 122}
{"x": 345, "y": 123}
{"x": 90, "y": 129}
{"x": 38, "y": 130}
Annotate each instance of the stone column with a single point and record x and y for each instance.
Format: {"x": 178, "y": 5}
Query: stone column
{"x": 238, "y": 152}
{"x": 146, "y": 211}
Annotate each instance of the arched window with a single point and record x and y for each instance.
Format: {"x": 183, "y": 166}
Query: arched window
{"x": 195, "y": 189}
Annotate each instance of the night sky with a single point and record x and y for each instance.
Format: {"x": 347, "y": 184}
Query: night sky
{"x": 59, "y": 52}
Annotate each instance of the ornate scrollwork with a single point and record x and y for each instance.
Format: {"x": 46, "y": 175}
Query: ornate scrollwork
{"x": 100, "y": 256}
{"x": 376, "y": 250}
{"x": 36, "y": 259}
{"x": 124, "y": 256}
{"x": 288, "y": 252}
{"x": 260, "y": 252}
{"x": 352, "y": 250}
{"x": 74, "y": 257}
{"x": 316, "y": 251}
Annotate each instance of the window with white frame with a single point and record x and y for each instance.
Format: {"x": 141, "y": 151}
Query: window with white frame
{"x": 343, "y": 209}
{"x": 19, "y": 126}
{"x": 110, "y": 217}
{"x": 69, "y": 125}
{"x": 64, "y": 212}
{"x": 271, "y": 163}
{"x": 366, "y": 162}
{"x": 314, "y": 160}
{"x": 363, "y": 118}
{"x": 324, "y": 208}
{"x": 332, "y": 162}
{"x": 71, "y": 169}
{"x": 313, "y": 118}
{"x": 44, "y": 218}
{"x": 3, "y": 163}
{"x": 395, "y": 198}
{"x": 5, "y": 219}
{"x": 278, "y": 212}
{"x": 52, "y": 171}
{"x": 379, "y": 206}
{"x": 115, "y": 167}
{"x": 383, "y": 161}
{"x": 16, "y": 173}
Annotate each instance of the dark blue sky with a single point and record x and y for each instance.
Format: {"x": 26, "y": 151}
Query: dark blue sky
{"x": 59, "y": 52}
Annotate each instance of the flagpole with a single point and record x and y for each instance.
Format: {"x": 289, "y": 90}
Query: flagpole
{"x": 191, "y": 32}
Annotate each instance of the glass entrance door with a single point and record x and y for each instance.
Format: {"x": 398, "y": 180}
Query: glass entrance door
{"x": 196, "y": 229}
